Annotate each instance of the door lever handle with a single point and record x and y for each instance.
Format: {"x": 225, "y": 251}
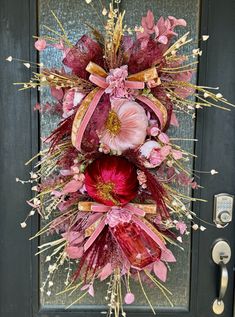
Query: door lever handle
{"x": 223, "y": 281}
{"x": 221, "y": 254}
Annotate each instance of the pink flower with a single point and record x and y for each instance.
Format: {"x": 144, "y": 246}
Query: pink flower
{"x": 40, "y": 44}
{"x": 125, "y": 126}
{"x": 155, "y": 157}
{"x": 142, "y": 178}
{"x": 117, "y": 215}
{"x": 147, "y": 147}
{"x": 153, "y": 130}
{"x": 72, "y": 98}
{"x": 158, "y": 155}
{"x": 145, "y": 151}
{"x": 165, "y": 150}
{"x": 116, "y": 80}
{"x": 181, "y": 226}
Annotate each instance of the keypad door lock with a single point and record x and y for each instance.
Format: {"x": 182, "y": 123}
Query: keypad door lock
{"x": 223, "y": 209}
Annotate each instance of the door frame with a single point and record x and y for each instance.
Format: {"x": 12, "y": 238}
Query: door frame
{"x": 19, "y": 139}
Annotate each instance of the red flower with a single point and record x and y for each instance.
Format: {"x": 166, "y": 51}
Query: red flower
{"x": 111, "y": 180}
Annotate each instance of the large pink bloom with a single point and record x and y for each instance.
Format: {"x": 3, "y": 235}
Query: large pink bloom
{"x": 125, "y": 127}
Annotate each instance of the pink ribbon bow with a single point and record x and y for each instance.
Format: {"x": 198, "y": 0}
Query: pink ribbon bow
{"x": 134, "y": 212}
{"x": 118, "y": 85}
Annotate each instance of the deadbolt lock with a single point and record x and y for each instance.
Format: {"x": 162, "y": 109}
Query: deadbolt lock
{"x": 223, "y": 209}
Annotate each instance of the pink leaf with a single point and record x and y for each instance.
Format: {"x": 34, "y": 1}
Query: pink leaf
{"x": 168, "y": 256}
{"x": 73, "y": 237}
{"x": 149, "y": 20}
{"x": 74, "y": 252}
{"x": 106, "y": 271}
{"x": 91, "y": 290}
{"x": 57, "y": 93}
{"x": 86, "y": 286}
{"x": 160, "y": 270}
{"x": 162, "y": 39}
{"x": 175, "y": 22}
{"x": 72, "y": 187}
{"x": 174, "y": 120}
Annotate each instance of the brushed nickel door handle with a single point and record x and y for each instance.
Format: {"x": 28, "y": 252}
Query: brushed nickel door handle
{"x": 221, "y": 254}
{"x": 223, "y": 280}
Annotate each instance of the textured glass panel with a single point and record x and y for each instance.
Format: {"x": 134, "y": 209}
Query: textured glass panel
{"x": 73, "y": 14}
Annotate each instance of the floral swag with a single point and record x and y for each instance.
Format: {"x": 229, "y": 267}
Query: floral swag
{"x": 106, "y": 179}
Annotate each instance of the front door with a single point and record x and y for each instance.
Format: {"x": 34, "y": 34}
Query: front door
{"x": 195, "y": 281}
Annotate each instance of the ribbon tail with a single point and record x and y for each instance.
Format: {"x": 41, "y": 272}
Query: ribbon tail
{"x": 94, "y": 235}
{"x": 158, "y": 111}
{"x": 79, "y": 129}
{"x": 149, "y": 232}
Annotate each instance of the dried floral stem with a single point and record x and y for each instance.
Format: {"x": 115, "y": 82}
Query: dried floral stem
{"x": 145, "y": 295}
